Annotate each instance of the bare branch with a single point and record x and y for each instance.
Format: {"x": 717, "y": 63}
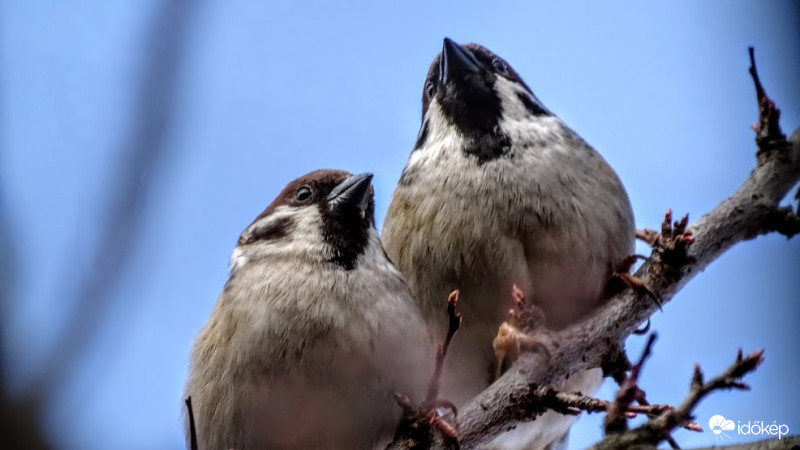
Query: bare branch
{"x": 768, "y": 130}
{"x": 658, "y": 429}
{"x": 616, "y": 419}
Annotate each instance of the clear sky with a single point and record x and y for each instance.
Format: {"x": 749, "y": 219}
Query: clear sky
{"x": 267, "y": 91}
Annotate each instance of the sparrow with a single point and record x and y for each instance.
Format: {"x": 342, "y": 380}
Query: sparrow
{"x": 498, "y": 191}
{"x": 314, "y": 332}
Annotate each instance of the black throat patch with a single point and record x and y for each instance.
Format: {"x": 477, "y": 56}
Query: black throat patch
{"x": 346, "y": 233}
{"x": 474, "y": 108}
{"x": 471, "y": 104}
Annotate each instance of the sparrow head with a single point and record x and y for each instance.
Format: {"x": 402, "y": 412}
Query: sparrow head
{"x": 325, "y": 215}
{"x": 477, "y": 94}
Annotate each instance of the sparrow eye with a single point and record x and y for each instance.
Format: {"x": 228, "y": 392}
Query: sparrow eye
{"x": 303, "y": 194}
{"x": 499, "y": 67}
{"x": 430, "y": 89}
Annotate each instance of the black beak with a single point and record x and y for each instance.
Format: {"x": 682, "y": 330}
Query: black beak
{"x": 456, "y": 61}
{"x": 352, "y": 191}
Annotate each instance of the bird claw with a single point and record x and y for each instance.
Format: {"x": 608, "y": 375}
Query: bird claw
{"x": 622, "y": 279}
{"x": 446, "y": 430}
{"x": 640, "y": 288}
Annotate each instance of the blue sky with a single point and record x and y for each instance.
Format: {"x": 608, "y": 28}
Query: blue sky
{"x": 267, "y": 92}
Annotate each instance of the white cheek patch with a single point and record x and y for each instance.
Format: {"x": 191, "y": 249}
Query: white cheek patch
{"x": 304, "y": 237}
{"x": 238, "y": 259}
{"x": 518, "y": 123}
{"x": 509, "y": 92}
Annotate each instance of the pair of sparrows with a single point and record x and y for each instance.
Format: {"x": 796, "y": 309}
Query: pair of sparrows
{"x": 317, "y": 326}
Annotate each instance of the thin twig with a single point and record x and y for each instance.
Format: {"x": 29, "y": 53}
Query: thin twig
{"x": 547, "y": 398}
{"x": 629, "y": 391}
{"x": 659, "y": 428}
{"x": 414, "y": 431}
{"x": 768, "y": 130}
{"x": 454, "y": 322}
{"x": 730, "y": 379}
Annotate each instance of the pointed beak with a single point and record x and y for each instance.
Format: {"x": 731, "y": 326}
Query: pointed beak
{"x": 353, "y": 191}
{"x": 456, "y": 61}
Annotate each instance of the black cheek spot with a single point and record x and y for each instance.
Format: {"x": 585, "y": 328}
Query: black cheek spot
{"x": 531, "y": 106}
{"x": 422, "y": 136}
{"x": 276, "y": 229}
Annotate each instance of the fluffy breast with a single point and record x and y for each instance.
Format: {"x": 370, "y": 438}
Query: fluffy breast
{"x": 323, "y": 348}
{"x": 552, "y": 218}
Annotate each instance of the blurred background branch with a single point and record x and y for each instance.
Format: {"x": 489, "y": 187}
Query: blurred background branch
{"x": 143, "y": 150}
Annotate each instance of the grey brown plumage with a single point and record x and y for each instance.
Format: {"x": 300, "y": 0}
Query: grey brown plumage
{"x": 313, "y": 332}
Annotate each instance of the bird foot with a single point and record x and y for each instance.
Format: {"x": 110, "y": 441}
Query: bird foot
{"x": 623, "y": 279}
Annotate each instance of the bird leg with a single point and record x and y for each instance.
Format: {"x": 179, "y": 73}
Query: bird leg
{"x": 623, "y": 279}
